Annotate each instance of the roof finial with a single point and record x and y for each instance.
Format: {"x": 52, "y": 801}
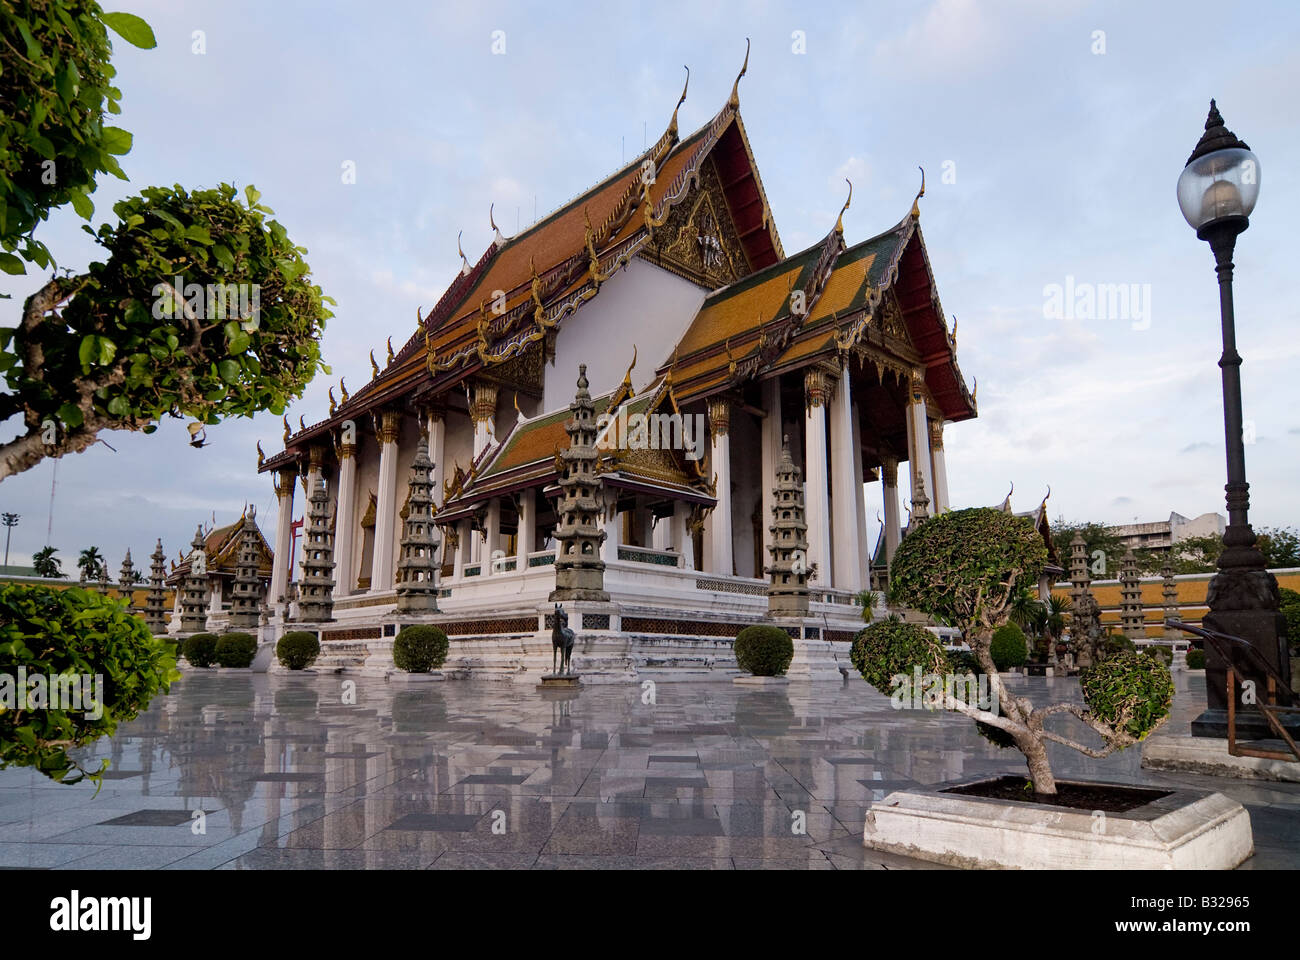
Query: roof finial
{"x": 627, "y": 377}
{"x": 916, "y": 204}
{"x": 390, "y": 349}
{"x": 343, "y": 388}
{"x": 952, "y": 337}
{"x": 287, "y": 431}
{"x": 672, "y": 124}
{"x": 839, "y": 224}
{"x": 975, "y": 387}
{"x": 261, "y": 458}
{"x": 464, "y": 262}
{"x": 374, "y": 367}
{"x": 520, "y": 413}
{"x": 734, "y": 102}
{"x": 498, "y": 239}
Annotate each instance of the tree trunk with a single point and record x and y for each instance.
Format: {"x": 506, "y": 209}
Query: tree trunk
{"x": 1040, "y": 771}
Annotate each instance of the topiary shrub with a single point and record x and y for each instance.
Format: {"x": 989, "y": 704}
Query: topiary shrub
{"x": 764, "y": 651}
{"x": 1195, "y": 659}
{"x": 1009, "y": 647}
{"x": 890, "y": 648}
{"x": 1128, "y": 692}
{"x": 1118, "y": 643}
{"x": 967, "y": 568}
{"x": 236, "y": 650}
{"x": 297, "y": 649}
{"x": 1160, "y": 652}
{"x": 200, "y": 650}
{"x": 72, "y": 633}
{"x": 419, "y": 649}
{"x": 1292, "y": 613}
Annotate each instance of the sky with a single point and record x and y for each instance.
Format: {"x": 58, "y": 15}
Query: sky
{"x": 1052, "y": 135}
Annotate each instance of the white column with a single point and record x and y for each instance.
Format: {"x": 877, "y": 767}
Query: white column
{"x": 681, "y": 534}
{"x": 381, "y": 568}
{"x": 613, "y": 532}
{"x": 772, "y": 437}
{"x": 720, "y": 556}
{"x": 345, "y": 521}
{"x": 463, "y": 534}
{"x": 526, "y": 540}
{"x": 483, "y": 411}
{"x": 893, "y": 525}
{"x": 816, "y": 497}
{"x": 286, "y": 479}
{"x": 847, "y": 491}
{"x": 918, "y": 441}
{"x": 939, "y": 468}
{"x": 437, "y": 429}
{"x": 492, "y": 538}
{"x": 864, "y": 548}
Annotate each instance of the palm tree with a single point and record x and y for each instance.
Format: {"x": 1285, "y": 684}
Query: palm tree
{"x": 1058, "y": 615}
{"x": 90, "y": 563}
{"x": 47, "y": 564}
{"x": 1026, "y": 609}
{"x": 868, "y": 600}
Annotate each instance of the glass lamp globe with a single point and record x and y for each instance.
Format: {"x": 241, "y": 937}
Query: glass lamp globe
{"x": 1223, "y": 183}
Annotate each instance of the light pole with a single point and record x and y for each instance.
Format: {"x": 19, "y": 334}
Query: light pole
{"x": 10, "y": 521}
{"x": 1217, "y": 191}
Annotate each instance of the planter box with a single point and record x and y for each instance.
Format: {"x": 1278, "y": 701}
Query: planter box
{"x": 1185, "y": 830}
{"x": 751, "y": 681}
{"x": 234, "y": 669}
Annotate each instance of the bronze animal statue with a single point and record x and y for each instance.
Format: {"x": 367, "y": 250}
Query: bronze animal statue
{"x": 561, "y": 642}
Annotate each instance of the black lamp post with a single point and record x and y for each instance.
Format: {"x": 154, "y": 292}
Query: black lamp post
{"x": 1217, "y": 192}
{"x": 10, "y": 520}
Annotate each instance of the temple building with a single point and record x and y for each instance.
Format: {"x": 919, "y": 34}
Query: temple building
{"x": 661, "y": 307}
{"x": 230, "y": 580}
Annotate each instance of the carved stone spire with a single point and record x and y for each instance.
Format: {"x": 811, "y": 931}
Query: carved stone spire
{"x": 316, "y": 591}
{"x": 155, "y": 616}
{"x": 417, "y": 565}
{"x": 579, "y": 571}
{"x": 1130, "y": 610}
{"x": 787, "y": 589}
{"x": 126, "y": 582}
{"x": 195, "y": 590}
{"x": 246, "y": 595}
{"x": 1170, "y": 596}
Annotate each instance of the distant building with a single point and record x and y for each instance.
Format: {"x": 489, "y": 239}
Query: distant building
{"x": 1163, "y": 534}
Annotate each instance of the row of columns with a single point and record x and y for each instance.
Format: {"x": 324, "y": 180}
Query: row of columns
{"x": 833, "y": 477}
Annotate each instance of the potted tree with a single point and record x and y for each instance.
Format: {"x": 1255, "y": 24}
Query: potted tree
{"x": 967, "y": 567}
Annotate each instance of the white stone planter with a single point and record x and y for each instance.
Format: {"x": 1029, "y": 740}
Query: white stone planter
{"x": 234, "y": 669}
{"x": 1186, "y": 830}
{"x": 1210, "y": 756}
{"x": 751, "y": 681}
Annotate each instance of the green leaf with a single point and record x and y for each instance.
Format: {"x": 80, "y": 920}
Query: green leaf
{"x": 82, "y": 204}
{"x": 117, "y": 141}
{"x": 71, "y": 415}
{"x": 118, "y": 407}
{"x": 229, "y": 370}
{"x": 11, "y": 264}
{"x": 131, "y": 29}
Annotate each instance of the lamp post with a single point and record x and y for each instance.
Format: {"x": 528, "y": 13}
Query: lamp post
{"x": 1217, "y": 191}
{"x": 10, "y": 521}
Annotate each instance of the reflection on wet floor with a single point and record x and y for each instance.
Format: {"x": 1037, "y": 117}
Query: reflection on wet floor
{"x": 468, "y": 774}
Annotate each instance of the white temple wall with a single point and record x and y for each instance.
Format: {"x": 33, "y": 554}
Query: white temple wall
{"x": 643, "y": 305}
{"x": 367, "y": 483}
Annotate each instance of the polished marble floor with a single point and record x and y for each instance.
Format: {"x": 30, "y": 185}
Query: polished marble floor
{"x": 315, "y": 772}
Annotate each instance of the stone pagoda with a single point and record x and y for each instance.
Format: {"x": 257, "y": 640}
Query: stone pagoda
{"x": 1170, "y": 597}
{"x": 155, "y": 611}
{"x": 579, "y": 571}
{"x": 126, "y": 582}
{"x": 787, "y": 589}
{"x": 417, "y": 565}
{"x": 316, "y": 590}
{"x": 1130, "y": 607}
{"x": 246, "y": 593}
{"x": 194, "y": 590}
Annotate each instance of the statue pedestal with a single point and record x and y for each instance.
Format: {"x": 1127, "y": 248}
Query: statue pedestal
{"x": 560, "y": 681}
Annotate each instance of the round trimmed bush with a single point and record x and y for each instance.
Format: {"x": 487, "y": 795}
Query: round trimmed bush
{"x": 1292, "y": 613}
{"x": 200, "y": 650}
{"x": 1009, "y": 647}
{"x": 764, "y": 651}
{"x": 297, "y": 649}
{"x": 1159, "y": 651}
{"x": 888, "y": 648}
{"x": 236, "y": 650}
{"x": 74, "y": 632}
{"x": 419, "y": 649}
{"x": 1129, "y": 691}
{"x": 1195, "y": 659}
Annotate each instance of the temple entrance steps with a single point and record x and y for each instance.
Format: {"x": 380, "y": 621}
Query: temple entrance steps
{"x": 341, "y": 655}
